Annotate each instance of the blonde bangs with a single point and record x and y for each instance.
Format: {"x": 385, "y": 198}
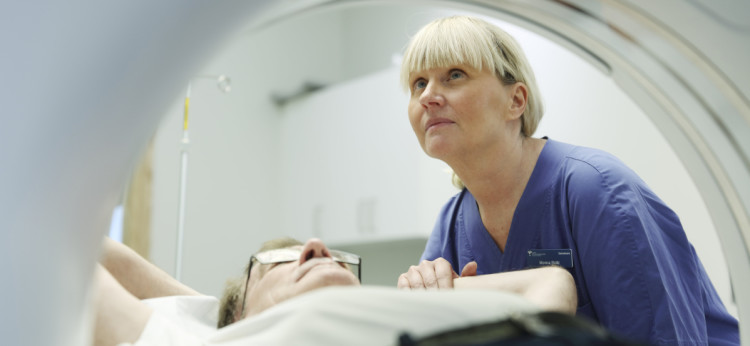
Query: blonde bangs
{"x": 447, "y": 43}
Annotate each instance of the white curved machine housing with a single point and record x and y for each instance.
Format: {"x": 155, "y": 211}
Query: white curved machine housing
{"x": 84, "y": 85}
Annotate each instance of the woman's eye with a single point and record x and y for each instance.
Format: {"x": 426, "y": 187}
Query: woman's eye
{"x": 455, "y": 74}
{"x": 420, "y": 84}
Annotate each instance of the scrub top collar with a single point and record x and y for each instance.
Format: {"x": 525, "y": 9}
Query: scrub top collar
{"x": 524, "y": 230}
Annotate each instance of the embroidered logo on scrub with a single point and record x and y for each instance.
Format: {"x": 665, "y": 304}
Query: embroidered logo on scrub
{"x": 550, "y": 257}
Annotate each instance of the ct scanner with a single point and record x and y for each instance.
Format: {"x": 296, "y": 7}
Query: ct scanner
{"x": 84, "y": 84}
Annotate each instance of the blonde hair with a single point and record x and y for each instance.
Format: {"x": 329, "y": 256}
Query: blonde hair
{"x": 234, "y": 289}
{"x": 471, "y": 41}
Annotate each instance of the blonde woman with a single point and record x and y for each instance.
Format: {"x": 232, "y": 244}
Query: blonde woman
{"x": 530, "y": 202}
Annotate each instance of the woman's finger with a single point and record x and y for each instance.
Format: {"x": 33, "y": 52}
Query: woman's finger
{"x": 403, "y": 282}
{"x": 444, "y": 273}
{"x": 470, "y": 269}
{"x": 427, "y": 271}
{"x": 415, "y": 278}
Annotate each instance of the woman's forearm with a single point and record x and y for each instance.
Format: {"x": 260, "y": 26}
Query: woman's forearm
{"x": 139, "y": 276}
{"x": 551, "y": 288}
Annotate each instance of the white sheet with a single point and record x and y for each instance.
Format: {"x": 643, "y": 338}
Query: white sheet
{"x": 180, "y": 320}
{"x": 368, "y": 316}
{"x": 342, "y": 316}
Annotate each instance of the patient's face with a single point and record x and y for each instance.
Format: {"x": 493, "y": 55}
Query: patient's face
{"x": 273, "y": 283}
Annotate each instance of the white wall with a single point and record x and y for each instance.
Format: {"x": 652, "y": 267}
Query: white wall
{"x": 342, "y": 163}
{"x": 351, "y": 166}
{"x": 233, "y": 167}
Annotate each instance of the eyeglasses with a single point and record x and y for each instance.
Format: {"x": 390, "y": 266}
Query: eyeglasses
{"x": 285, "y": 255}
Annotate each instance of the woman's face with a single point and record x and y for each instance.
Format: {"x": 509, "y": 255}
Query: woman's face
{"x": 273, "y": 283}
{"x": 458, "y": 110}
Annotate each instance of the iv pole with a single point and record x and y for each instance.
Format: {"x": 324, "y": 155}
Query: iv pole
{"x": 224, "y": 84}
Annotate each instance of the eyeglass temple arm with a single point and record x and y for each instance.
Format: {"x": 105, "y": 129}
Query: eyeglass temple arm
{"x": 247, "y": 281}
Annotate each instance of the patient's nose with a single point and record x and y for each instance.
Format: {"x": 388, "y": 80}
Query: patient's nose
{"x": 313, "y": 248}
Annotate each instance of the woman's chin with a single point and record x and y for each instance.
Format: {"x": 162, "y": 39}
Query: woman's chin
{"x": 438, "y": 146}
{"x": 440, "y": 152}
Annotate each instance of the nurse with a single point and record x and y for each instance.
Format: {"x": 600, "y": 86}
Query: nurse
{"x": 530, "y": 202}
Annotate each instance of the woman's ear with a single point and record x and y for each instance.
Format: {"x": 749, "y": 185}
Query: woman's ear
{"x": 518, "y": 95}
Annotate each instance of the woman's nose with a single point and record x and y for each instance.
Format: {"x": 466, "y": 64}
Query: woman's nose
{"x": 431, "y": 96}
{"x": 313, "y": 248}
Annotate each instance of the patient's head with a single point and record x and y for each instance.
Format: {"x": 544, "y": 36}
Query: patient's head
{"x": 284, "y": 268}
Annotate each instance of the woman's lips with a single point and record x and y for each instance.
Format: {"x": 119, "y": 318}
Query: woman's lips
{"x": 437, "y": 123}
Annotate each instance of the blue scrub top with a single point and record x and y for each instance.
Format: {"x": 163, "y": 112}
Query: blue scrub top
{"x": 635, "y": 271}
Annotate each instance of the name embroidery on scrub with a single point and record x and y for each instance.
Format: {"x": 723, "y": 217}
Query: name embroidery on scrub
{"x": 547, "y": 257}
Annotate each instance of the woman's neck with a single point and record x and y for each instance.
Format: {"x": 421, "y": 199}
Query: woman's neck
{"x": 499, "y": 176}
{"x": 497, "y": 183}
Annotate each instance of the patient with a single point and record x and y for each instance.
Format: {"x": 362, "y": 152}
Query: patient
{"x": 289, "y": 268}
{"x": 282, "y": 300}
{"x": 316, "y": 266}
